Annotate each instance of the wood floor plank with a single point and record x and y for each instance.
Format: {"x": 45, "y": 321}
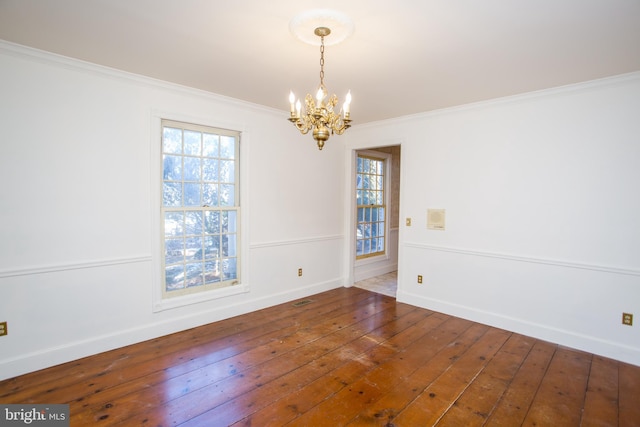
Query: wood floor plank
{"x": 479, "y": 399}
{"x": 561, "y": 396}
{"x": 446, "y": 344}
{"x": 348, "y": 357}
{"x": 601, "y": 401}
{"x": 514, "y": 404}
{"x": 629, "y": 395}
{"x": 192, "y": 394}
{"x": 267, "y": 395}
{"x": 92, "y": 370}
{"x": 437, "y": 397}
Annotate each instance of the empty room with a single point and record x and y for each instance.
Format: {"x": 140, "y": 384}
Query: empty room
{"x": 409, "y": 213}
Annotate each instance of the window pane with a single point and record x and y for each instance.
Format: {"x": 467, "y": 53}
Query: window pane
{"x": 210, "y": 170}
{"x": 172, "y": 168}
{"x": 210, "y": 145}
{"x": 227, "y": 147}
{"x": 172, "y": 194}
{"x": 193, "y": 223}
{"x": 174, "y": 277}
{"x": 173, "y": 224}
{"x": 229, "y": 221}
{"x": 172, "y": 140}
{"x": 212, "y": 222}
{"x": 193, "y": 276}
{"x": 192, "y": 195}
{"x": 229, "y": 266}
{"x": 192, "y": 143}
{"x": 174, "y": 251}
{"x": 211, "y": 248}
{"x": 227, "y": 171}
{"x": 192, "y": 169}
{"x": 227, "y": 195}
{"x": 228, "y": 245}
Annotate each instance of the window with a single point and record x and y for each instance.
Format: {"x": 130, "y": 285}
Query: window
{"x": 200, "y": 208}
{"x": 371, "y": 206}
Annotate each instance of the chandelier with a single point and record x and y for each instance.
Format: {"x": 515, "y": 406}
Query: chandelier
{"x": 319, "y": 113}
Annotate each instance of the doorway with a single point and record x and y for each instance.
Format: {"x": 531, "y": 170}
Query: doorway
{"x": 378, "y": 271}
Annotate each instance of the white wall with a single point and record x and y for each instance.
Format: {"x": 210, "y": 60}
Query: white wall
{"x": 542, "y": 199}
{"x": 78, "y": 213}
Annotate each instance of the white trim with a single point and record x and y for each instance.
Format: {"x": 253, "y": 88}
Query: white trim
{"x": 53, "y": 268}
{"x": 20, "y": 51}
{"x": 262, "y": 245}
{"x": 521, "y": 258}
{"x": 568, "y": 338}
{"x": 523, "y": 97}
{"x": 158, "y": 302}
{"x": 33, "y": 361}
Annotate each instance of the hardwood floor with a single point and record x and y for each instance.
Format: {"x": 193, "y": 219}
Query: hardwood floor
{"x": 344, "y": 357}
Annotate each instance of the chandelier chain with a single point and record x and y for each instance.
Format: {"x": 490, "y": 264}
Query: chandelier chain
{"x": 322, "y": 61}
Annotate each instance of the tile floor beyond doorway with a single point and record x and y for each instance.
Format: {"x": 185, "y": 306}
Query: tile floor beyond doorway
{"x": 386, "y": 284}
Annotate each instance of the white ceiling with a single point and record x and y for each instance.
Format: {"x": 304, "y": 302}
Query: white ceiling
{"x": 404, "y": 57}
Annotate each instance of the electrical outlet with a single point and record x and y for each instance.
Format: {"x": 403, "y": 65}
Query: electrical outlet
{"x": 299, "y": 272}
{"x": 3, "y": 328}
{"x": 419, "y": 278}
{"x": 627, "y": 319}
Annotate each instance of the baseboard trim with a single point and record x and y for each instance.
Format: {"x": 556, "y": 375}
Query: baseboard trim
{"x": 559, "y": 336}
{"x": 52, "y": 356}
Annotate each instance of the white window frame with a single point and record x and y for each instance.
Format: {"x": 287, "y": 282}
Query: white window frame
{"x": 161, "y": 302}
{"x": 387, "y": 199}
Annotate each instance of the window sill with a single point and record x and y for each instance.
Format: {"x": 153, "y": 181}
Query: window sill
{"x": 185, "y": 300}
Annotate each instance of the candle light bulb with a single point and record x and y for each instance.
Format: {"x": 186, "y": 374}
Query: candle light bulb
{"x": 298, "y": 107}
{"x": 292, "y": 100}
{"x": 319, "y": 96}
{"x": 347, "y": 104}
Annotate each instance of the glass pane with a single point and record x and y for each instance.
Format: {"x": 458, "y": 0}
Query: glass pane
{"x": 172, "y": 194}
{"x": 211, "y": 247}
{"x": 210, "y": 194}
{"x": 193, "y": 223}
{"x": 173, "y": 223}
{"x": 360, "y": 165}
{"x": 172, "y": 140}
{"x": 227, "y": 171}
{"x": 210, "y": 170}
{"x": 212, "y": 222}
{"x": 367, "y": 214}
{"x": 360, "y": 214}
{"x": 192, "y": 195}
{"x": 381, "y": 214}
{"x": 228, "y": 245}
{"x": 174, "y": 277}
{"x": 191, "y": 247}
{"x": 192, "y": 169}
{"x": 192, "y": 143}
{"x": 210, "y": 145}
{"x": 173, "y": 251}
{"x": 194, "y": 276}
{"x": 212, "y": 272}
{"x": 171, "y": 168}
{"x": 227, "y": 195}
{"x": 229, "y": 221}
{"x": 367, "y": 246}
{"x": 229, "y": 268}
{"x": 227, "y": 147}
